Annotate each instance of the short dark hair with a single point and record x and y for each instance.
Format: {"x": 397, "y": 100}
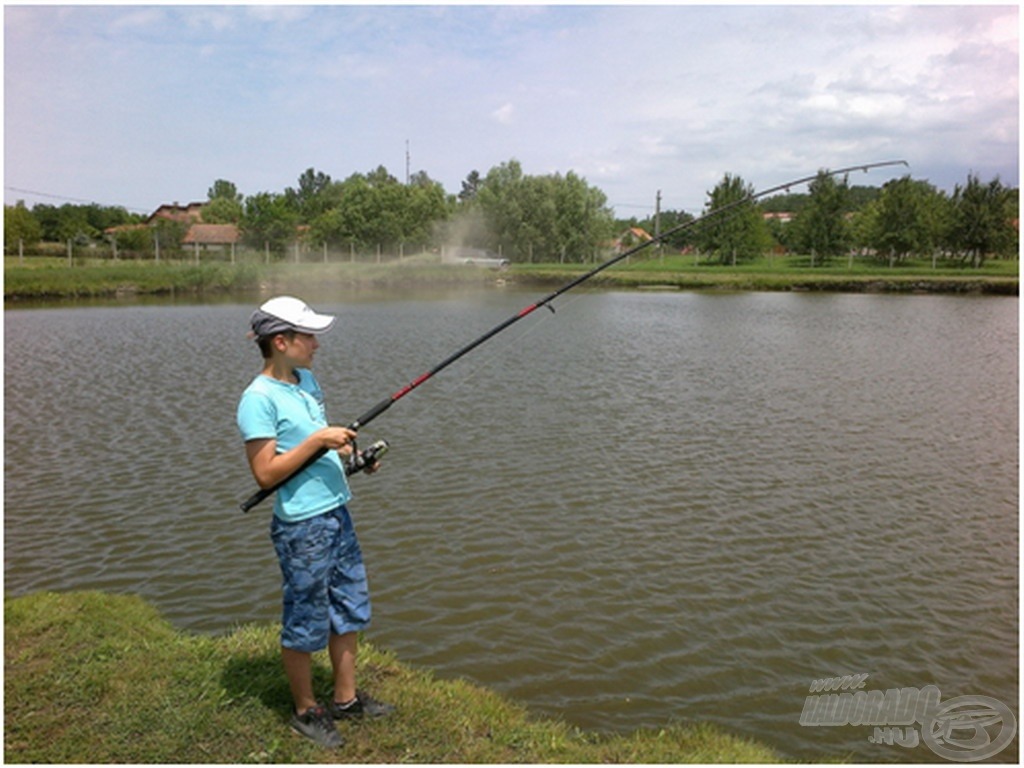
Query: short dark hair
{"x": 264, "y": 342}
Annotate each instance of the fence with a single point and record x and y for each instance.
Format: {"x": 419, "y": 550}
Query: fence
{"x": 72, "y": 252}
{"x": 297, "y": 252}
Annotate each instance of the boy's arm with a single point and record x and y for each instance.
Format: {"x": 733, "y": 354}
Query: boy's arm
{"x": 270, "y": 467}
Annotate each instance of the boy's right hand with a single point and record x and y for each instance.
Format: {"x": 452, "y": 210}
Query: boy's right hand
{"x": 337, "y": 439}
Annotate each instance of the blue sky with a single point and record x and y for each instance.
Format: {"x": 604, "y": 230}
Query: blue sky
{"x": 141, "y": 105}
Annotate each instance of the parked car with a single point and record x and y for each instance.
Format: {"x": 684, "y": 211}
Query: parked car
{"x": 479, "y": 257}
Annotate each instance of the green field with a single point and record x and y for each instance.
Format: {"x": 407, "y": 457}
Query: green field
{"x": 97, "y": 678}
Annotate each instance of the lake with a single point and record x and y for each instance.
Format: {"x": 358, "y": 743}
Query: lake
{"x": 645, "y": 508}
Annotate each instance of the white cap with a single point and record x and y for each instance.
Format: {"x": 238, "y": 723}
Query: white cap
{"x": 286, "y": 313}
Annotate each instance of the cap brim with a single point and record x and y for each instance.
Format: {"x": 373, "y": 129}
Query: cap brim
{"x": 315, "y": 323}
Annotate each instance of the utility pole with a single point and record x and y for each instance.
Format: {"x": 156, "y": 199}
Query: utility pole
{"x": 657, "y": 224}
{"x": 407, "y": 162}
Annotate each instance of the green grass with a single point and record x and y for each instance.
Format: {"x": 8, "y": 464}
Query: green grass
{"x": 785, "y": 274}
{"x": 49, "y": 278}
{"x": 44, "y": 278}
{"x": 97, "y": 678}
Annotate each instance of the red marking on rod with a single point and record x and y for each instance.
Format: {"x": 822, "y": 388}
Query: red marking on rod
{"x": 410, "y": 387}
{"x": 527, "y": 310}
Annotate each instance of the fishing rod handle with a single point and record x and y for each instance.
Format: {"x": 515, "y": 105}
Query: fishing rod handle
{"x": 256, "y": 498}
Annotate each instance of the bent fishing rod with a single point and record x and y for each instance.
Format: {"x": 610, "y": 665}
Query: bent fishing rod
{"x": 387, "y": 402}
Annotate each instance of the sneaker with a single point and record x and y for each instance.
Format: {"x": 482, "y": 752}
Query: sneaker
{"x": 316, "y": 724}
{"x": 363, "y": 706}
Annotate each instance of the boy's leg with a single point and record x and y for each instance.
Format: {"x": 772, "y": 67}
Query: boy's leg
{"x": 299, "y": 670}
{"x": 343, "y": 650}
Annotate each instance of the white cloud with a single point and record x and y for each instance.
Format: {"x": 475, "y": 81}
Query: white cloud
{"x": 503, "y": 114}
{"x": 633, "y": 98}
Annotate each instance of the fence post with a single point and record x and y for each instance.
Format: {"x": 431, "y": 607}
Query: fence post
{"x": 325, "y": 251}
{"x": 232, "y": 253}
{"x": 156, "y": 246}
{"x": 266, "y": 250}
{"x": 21, "y": 251}
{"x": 70, "y": 262}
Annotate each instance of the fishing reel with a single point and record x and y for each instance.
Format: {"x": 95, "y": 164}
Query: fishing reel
{"x": 362, "y": 460}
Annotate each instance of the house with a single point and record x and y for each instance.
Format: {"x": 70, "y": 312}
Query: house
{"x": 631, "y": 238}
{"x": 783, "y": 217}
{"x": 211, "y": 236}
{"x": 187, "y": 214}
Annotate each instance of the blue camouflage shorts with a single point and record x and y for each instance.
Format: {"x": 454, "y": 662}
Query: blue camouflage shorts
{"x": 324, "y": 579}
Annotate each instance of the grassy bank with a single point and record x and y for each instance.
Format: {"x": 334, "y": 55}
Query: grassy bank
{"x": 42, "y": 279}
{"x": 789, "y": 274}
{"x": 49, "y": 279}
{"x": 98, "y": 678}
{"x": 54, "y": 279}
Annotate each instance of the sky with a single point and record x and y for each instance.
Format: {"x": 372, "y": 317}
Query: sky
{"x": 142, "y": 105}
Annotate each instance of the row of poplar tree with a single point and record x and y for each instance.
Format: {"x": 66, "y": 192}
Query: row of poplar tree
{"x": 562, "y": 217}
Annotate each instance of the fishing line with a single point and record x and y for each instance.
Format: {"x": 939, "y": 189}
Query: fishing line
{"x": 546, "y": 301}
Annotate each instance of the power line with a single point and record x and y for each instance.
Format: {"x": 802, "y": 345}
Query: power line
{"x": 73, "y": 199}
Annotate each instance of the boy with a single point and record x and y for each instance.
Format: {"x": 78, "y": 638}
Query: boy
{"x": 326, "y": 600}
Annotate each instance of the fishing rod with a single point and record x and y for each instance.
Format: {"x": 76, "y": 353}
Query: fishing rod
{"x": 360, "y": 462}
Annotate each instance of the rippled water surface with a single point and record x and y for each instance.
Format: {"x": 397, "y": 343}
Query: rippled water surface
{"x": 646, "y": 508}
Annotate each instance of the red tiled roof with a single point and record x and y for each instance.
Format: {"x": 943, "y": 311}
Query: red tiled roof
{"x": 174, "y": 212}
{"x": 211, "y": 234}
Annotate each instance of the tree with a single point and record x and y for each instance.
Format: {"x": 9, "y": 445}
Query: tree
{"x": 221, "y": 210}
{"x": 669, "y": 221}
{"x": 223, "y": 189}
{"x": 135, "y": 240}
{"x": 982, "y": 221}
{"x": 543, "y": 216}
{"x": 821, "y": 228}
{"x": 314, "y": 195}
{"x": 470, "y": 186}
{"x": 376, "y": 209}
{"x": 739, "y": 233}
{"x": 225, "y": 204}
{"x": 80, "y": 223}
{"x": 269, "y": 220}
{"x": 20, "y": 225}
{"x": 903, "y": 221}
{"x": 169, "y": 233}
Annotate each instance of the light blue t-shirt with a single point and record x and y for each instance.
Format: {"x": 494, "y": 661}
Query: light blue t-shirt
{"x": 289, "y": 413}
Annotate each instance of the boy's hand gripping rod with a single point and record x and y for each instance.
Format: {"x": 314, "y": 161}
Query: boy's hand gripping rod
{"x": 386, "y": 403}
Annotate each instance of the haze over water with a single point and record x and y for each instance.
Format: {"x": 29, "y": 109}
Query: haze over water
{"x": 647, "y": 508}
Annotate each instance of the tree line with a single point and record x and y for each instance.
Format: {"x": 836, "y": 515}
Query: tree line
{"x": 902, "y": 220}
{"x": 563, "y": 218}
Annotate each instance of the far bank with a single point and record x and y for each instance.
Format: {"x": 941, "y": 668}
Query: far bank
{"x": 56, "y": 280}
